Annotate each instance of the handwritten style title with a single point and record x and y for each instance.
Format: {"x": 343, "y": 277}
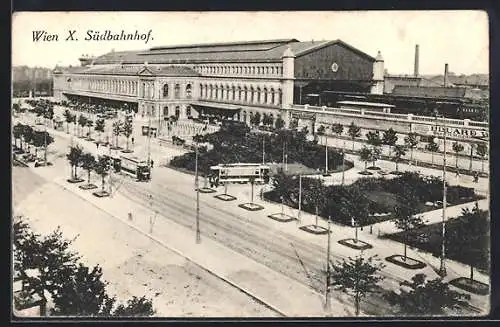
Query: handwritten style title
{"x": 92, "y": 35}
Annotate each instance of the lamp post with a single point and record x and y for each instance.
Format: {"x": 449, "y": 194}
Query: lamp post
{"x": 300, "y": 199}
{"x": 442, "y": 266}
{"x": 263, "y": 149}
{"x": 196, "y": 182}
{"x": 326, "y": 155}
{"x": 343, "y": 162}
{"x": 327, "y": 288}
{"x": 149, "y": 139}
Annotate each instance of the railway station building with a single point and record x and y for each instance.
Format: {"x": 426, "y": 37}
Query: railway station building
{"x": 232, "y": 80}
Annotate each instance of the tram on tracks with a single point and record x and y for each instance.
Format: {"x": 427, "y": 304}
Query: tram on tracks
{"x": 240, "y": 173}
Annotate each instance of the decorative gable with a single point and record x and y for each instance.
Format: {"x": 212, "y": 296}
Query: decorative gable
{"x": 146, "y": 71}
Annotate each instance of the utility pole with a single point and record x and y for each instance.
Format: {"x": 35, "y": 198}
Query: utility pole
{"x": 326, "y": 155}
{"x": 442, "y": 267}
{"x": 300, "y": 198}
{"x": 149, "y": 138}
{"x": 343, "y": 162}
{"x": 327, "y": 288}
{"x": 45, "y": 146}
{"x": 263, "y": 149}
{"x": 196, "y": 182}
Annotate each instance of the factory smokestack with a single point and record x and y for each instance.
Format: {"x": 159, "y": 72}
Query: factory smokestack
{"x": 415, "y": 67}
{"x": 445, "y": 82}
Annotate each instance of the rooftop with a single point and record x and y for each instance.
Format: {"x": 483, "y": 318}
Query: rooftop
{"x": 257, "y": 51}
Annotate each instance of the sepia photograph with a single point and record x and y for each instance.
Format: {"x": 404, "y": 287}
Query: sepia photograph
{"x": 250, "y": 164}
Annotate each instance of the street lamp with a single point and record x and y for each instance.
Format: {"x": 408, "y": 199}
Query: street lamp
{"x": 442, "y": 266}
{"x": 196, "y": 182}
{"x": 300, "y": 198}
{"x": 327, "y": 288}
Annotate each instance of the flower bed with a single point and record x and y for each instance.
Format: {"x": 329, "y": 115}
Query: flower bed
{"x": 281, "y": 217}
{"x": 407, "y": 262}
{"x": 225, "y": 197}
{"x": 355, "y": 244}
{"x": 313, "y": 229}
{"x": 251, "y": 206}
{"x": 471, "y": 285}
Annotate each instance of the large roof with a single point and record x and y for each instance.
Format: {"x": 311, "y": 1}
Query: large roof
{"x": 132, "y": 70}
{"x": 432, "y": 92}
{"x": 253, "y": 51}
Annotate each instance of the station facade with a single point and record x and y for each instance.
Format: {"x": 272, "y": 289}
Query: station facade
{"x": 232, "y": 80}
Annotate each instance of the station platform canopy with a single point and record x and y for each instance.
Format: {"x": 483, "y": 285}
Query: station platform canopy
{"x": 216, "y": 109}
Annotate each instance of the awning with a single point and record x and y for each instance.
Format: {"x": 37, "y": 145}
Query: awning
{"x": 216, "y": 106}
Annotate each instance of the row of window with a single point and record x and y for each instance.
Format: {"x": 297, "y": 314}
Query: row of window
{"x": 244, "y": 70}
{"x": 176, "y": 112}
{"x": 177, "y": 91}
{"x": 244, "y": 94}
{"x": 104, "y": 85}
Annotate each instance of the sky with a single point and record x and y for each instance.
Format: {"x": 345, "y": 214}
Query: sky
{"x": 459, "y": 38}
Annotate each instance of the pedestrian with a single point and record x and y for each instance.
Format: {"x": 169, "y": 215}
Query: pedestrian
{"x": 152, "y": 162}
{"x": 97, "y": 145}
{"x": 457, "y": 174}
{"x": 133, "y": 140}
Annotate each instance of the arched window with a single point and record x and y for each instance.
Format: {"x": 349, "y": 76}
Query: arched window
{"x": 216, "y": 91}
{"x": 165, "y": 91}
{"x": 280, "y": 97}
{"x": 244, "y": 116}
{"x": 188, "y": 91}
{"x": 233, "y": 89}
{"x": 228, "y": 90}
{"x": 258, "y": 70}
{"x": 188, "y": 111}
{"x": 177, "y": 91}
{"x": 211, "y": 91}
{"x": 267, "y": 70}
{"x": 143, "y": 89}
{"x": 177, "y": 111}
{"x": 201, "y": 90}
{"x": 240, "y": 91}
{"x": 165, "y": 111}
{"x": 253, "y": 70}
{"x": 245, "y": 94}
{"x": 251, "y": 94}
{"x": 265, "y": 95}
{"x": 272, "y": 96}
{"x": 258, "y": 95}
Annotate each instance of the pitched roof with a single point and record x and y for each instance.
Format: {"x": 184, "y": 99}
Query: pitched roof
{"x": 254, "y": 51}
{"x": 133, "y": 70}
{"x": 432, "y": 92}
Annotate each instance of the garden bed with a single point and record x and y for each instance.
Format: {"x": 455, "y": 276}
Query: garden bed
{"x": 471, "y": 285}
{"x": 101, "y": 194}
{"x": 251, "y": 206}
{"x": 225, "y": 197}
{"x": 281, "y": 217}
{"x": 127, "y": 151}
{"x": 353, "y": 244}
{"x": 313, "y": 229}
{"x": 407, "y": 263}
{"x": 88, "y": 186}
{"x": 365, "y": 173}
{"x": 75, "y": 180}
{"x": 206, "y": 190}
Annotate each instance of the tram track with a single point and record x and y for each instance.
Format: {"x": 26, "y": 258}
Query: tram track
{"x": 254, "y": 240}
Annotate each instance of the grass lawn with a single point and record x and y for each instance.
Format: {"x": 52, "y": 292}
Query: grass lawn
{"x": 428, "y": 238}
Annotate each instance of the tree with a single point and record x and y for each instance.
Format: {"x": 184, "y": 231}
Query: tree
{"x": 127, "y": 131}
{"x": 405, "y": 217}
{"x": 255, "y": 119}
{"x": 102, "y": 167}
{"x": 99, "y": 126}
{"x": 17, "y": 133}
{"x": 314, "y": 195}
{"x": 280, "y": 123}
{"x": 117, "y": 129}
{"x": 294, "y": 123}
{"x": 48, "y": 257}
{"x": 467, "y": 237}
{"x": 88, "y": 163}
{"x": 89, "y": 124}
{"x": 398, "y": 152}
{"x": 373, "y": 139}
{"x": 42, "y": 139}
{"x": 356, "y": 277}
{"x": 337, "y": 128}
{"x": 321, "y": 130}
{"x": 457, "y": 148}
{"x": 365, "y": 155}
{"x": 426, "y": 297}
{"x": 28, "y": 133}
{"x": 389, "y": 137}
{"x": 355, "y": 208}
{"x": 482, "y": 151}
{"x": 75, "y": 289}
{"x": 354, "y": 132}
{"x": 267, "y": 120}
{"x": 82, "y": 121}
{"x": 411, "y": 142}
{"x": 74, "y": 157}
{"x": 432, "y": 147}
{"x": 375, "y": 154}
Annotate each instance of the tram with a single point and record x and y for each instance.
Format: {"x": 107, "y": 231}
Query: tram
{"x": 240, "y": 173}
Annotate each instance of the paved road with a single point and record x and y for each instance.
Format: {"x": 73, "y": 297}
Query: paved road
{"x": 284, "y": 249}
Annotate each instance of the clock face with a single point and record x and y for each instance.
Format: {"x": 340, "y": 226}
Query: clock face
{"x": 334, "y": 67}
